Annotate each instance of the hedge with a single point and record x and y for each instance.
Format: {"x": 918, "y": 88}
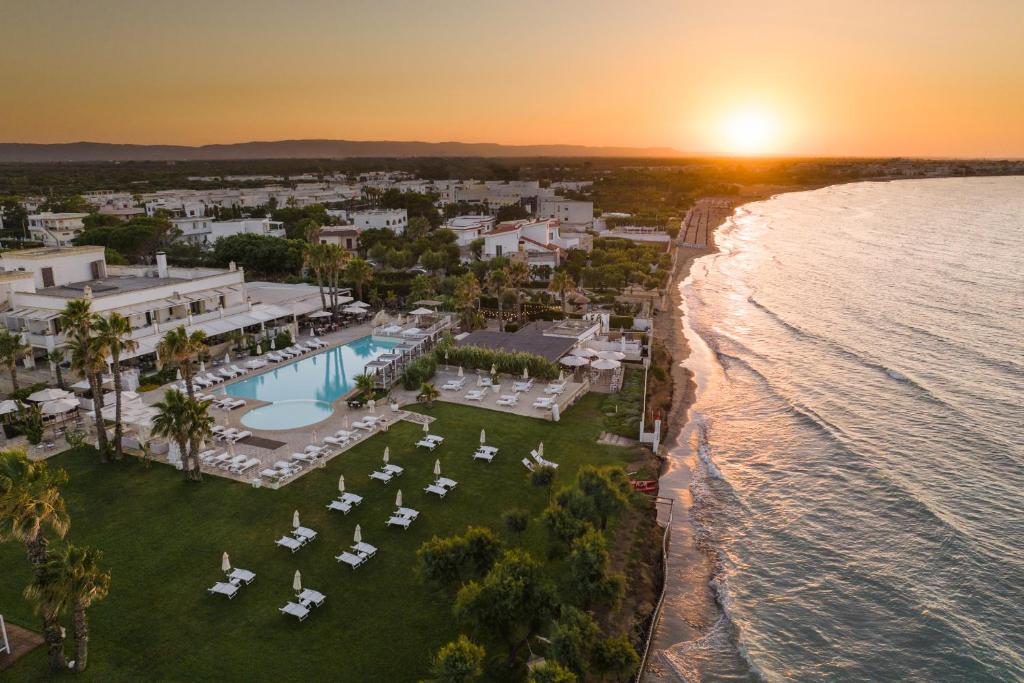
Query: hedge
{"x": 506, "y": 362}
{"x": 418, "y": 372}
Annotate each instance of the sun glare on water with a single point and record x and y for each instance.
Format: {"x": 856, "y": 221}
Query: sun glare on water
{"x": 750, "y": 131}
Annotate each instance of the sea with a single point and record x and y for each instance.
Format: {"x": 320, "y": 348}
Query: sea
{"x": 853, "y": 466}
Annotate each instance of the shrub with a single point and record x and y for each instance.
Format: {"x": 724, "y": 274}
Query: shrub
{"x": 283, "y": 339}
{"x": 550, "y": 672}
{"x": 621, "y": 321}
{"x": 573, "y": 638}
{"x": 516, "y": 520}
{"x": 419, "y": 372}
{"x": 459, "y": 661}
{"x": 542, "y": 476}
{"x": 617, "y": 657}
{"x": 506, "y": 362}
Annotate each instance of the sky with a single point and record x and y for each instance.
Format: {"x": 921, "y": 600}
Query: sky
{"x": 823, "y": 78}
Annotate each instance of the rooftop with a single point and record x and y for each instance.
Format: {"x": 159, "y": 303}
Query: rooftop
{"x": 50, "y": 252}
{"x": 530, "y": 339}
{"x": 109, "y": 286}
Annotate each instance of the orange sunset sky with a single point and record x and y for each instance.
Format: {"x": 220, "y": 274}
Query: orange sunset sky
{"x": 830, "y": 77}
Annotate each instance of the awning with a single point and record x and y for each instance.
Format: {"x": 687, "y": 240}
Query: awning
{"x": 34, "y": 314}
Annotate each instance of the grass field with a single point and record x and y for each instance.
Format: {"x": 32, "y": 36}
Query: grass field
{"x": 163, "y": 540}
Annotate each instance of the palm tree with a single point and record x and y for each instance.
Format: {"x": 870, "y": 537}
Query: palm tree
{"x": 30, "y": 505}
{"x": 497, "y": 283}
{"x": 518, "y": 275}
{"x": 11, "y": 349}
{"x": 337, "y": 260}
{"x": 316, "y": 261}
{"x": 428, "y": 392}
{"x": 187, "y": 422}
{"x": 365, "y": 383}
{"x": 73, "y": 580}
{"x": 114, "y": 333}
{"x": 56, "y": 357}
{"x": 179, "y": 348}
{"x": 562, "y": 283}
{"x": 360, "y": 273}
{"x": 467, "y": 295}
{"x": 87, "y": 356}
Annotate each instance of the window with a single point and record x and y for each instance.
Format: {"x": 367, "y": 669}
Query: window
{"x": 47, "y": 274}
{"x": 497, "y": 250}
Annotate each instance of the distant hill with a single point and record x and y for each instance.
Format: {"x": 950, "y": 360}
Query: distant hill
{"x": 306, "y": 149}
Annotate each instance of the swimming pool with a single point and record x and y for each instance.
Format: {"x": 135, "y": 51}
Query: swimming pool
{"x": 301, "y": 392}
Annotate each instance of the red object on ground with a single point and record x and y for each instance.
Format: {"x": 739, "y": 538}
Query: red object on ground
{"x": 645, "y": 485}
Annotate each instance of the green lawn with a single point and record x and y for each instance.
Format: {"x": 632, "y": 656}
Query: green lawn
{"x": 163, "y": 540}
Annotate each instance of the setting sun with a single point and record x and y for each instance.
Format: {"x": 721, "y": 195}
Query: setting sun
{"x": 750, "y": 131}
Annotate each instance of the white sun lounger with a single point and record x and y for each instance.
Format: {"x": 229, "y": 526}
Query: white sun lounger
{"x": 232, "y": 462}
{"x": 366, "y": 426}
{"x": 304, "y": 457}
{"x": 235, "y": 368}
{"x": 238, "y": 436}
{"x": 226, "y": 434}
{"x": 243, "y": 575}
{"x": 403, "y": 522}
{"x": 227, "y": 373}
{"x": 216, "y": 379}
{"x": 204, "y": 383}
{"x": 407, "y": 512}
{"x": 445, "y": 482}
{"x": 393, "y": 470}
{"x": 429, "y": 445}
{"x": 311, "y": 597}
{"x": 274, "y": 358}
{"x": 554, "y": 389}
{"x": 441, "y": 492}
{"x": 296, "y": 610}
{"x": 340, "y": 506}
{"x": 520, "y": 387}
{"x": 304, "y": 533}
{"x": 507, "y": 401}
{"x": 483, "y": 455}
{"x": 232, "y": 403}
{"x": 350, "y": 498}
{"x": 221, "y": 588}
{"x": 292, "y": 544}
{"x": 435, "y": 438}
{"x": 544, "y": 403}
{"x": 381, "y": 476}
{"x": 336, "y": 441}
{"x": 350, "y": 559}
{"x": 475, "y": 395}
{"x": 542, "y": 461}
{"x": 365, "y": 549}
{"x": 528, "y": 465}
{"x": 454, "y": 384}
{"x": 246, "y": 466}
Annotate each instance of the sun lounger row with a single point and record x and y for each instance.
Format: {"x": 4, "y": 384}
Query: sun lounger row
{"x": 361, "y": 552}
{"x": 295, "y": 350}
{"x": 402, "y": 517}
{"x": 239, "y": 464}
{"x": 282, "y": 469}
{"x": 441, "y": 486}
{"x": 230, "y": 434}
{"x": 430, "y": 442}
{"x": 307, "y": 599}
{"x": 485, "y": 453}
{"x": 387, "y": 473}
{"x": 345, "y": 502}
{"x": 299, "y": 537}
{"x": 236, "y": 577}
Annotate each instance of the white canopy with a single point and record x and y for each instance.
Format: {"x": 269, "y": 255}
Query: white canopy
{"x": 48, "y": 394}
{"x": 8, "y": 406}
{"x": 584, "y": 352}
{"x": 351, "y": 310}
{"x": 60, "y": 406}
{"x": 611, "y": 355}
{"x": 319, "y": 314}
{"x": 574, "y": 361}
{"x": 605, "y": 364}
{"x": 421, "y": 311}
{"x": 359, "y": 304}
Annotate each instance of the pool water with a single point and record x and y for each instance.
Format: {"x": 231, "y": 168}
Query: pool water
{"x": 302, "y": 392}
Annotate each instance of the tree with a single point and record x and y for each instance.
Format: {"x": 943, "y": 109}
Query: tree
{"x": 434, "y": 261}
{"x": 316, "y": 261}
{"x": 114, "y": 333}
{"x": 188, "y": 423}
{"x": 56, "y": 358}
{"x": 467, "y": 296}
{"x": 11, "y": 349}
{"x": 365, "y": 384}
{"x": 360, "y": 273}
{"x": 79, "y": 323}
{"x": 30, "y": 506}
{"x": 497, "y": 282}
{"x": 428, "y": 393}
{"x": 516, "y": 520}
{"x": 562, "y": 283}
{"x": 588, "y": 566}
{"x": 440, "y": 559}
{"x": 573, "y": 638}
{"x": 616, "y": 657}
{"x": 417, "y": 228}
{"x": 512, "y": 212}
{"x": 459, "y": 661}
{"x": 422, "y": 287}
{"x": 178, "y": 348}
{"x": 476, "y": 248}
{"x": 550, "y": 672}
{"x": 511, "y": 602}
{"x": 607, "y": 487}
{"x": 74, "y": 580}
{"x": 336, "y": 262}
{"x": 518, "y": 275}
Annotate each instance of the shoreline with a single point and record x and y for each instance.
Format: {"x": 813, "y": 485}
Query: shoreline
{"x": 693, "y": 610}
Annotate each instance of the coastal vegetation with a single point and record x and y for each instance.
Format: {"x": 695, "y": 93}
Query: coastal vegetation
{"x": 503, "y": 362}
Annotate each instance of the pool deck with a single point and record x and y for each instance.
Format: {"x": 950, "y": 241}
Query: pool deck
{"x": 296, "y": 440}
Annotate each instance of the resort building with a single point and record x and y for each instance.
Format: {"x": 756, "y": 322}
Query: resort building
{"x": 569, "y": 212}
{"x": 394, "y": 220}
{"x": 36, "y": 285}
{"x": 538, "y": 242}
{"x": 55, "y": 229}
{"x": 203, "y": 230}
{"x": 345, "y": 236}
{"x": 469, "y": 228}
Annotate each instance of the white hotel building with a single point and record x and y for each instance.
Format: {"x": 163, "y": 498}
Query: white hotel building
{"x": 56, "y": 229}
{"x": 36, "y": 284}
{"x": 394, "y": 220}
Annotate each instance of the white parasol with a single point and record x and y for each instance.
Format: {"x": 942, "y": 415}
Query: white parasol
{"x": 574, "y": 361}
{"x": 461, "y": 372}
{"x": 48, "y": 394}
{"x": 341, "y": 484}
{"x": 357, "y": 537}
{"x": 605, "y": 364}
{"x": 526, "y": 373}
{"x": 426, "y": 428}
{"x": 295, "y": 520}
{"x": 297, "y": 582}
{"x": 225, "y": 563}
{"x": 398, "y": 498}
{"x": 483, "y": 437}
{"x": 387, "y": 453}
{"x": 437, "y": 467}
{"x": 60, "y": 406}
